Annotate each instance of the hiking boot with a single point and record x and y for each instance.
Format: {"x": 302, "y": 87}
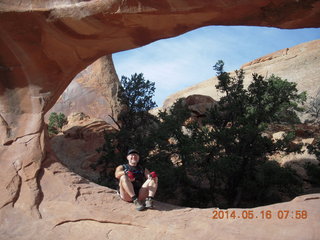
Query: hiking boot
{"x": 138, "y": 205}
{"x": 149, "y": 203}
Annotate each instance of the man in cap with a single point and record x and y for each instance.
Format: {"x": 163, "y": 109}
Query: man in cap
{"x": 136, "y": 184}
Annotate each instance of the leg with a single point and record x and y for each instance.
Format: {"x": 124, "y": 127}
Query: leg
{"x": 126, "y": 188}
{"x": 148, "y": 189}
{"x": 127, "y": 192}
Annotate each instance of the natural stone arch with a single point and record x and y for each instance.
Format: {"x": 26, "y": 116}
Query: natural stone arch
{"x": 43, "y": 45}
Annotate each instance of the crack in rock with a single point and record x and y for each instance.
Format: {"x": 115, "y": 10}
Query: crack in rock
{"x": 78, "y": 193}
{"x": 5, "y": 124}
{"x": 14, "y": 188}
{"x": 28, "y": 134}
{"x": 312, "y": 198}
{"x": 11, "y": 141}
{"x": 95, "y": 220}
{"x": 26, "y": 142}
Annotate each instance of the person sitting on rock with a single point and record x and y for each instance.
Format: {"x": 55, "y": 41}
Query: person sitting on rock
{"x": 136, "y": 184}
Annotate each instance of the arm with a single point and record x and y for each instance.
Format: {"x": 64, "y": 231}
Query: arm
{"x": 148, "y": 176}
{"x": 119, "y": 172}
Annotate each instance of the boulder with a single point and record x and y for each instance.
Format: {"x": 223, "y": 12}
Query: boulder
{"x": 199, "y": 104}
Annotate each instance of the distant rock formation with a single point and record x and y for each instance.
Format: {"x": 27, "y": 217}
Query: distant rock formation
{"x": 299, "y": 64}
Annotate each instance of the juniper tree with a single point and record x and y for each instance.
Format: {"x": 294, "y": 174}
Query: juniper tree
{"x": 135, "y": 125}
{"x": 239, "y": 156}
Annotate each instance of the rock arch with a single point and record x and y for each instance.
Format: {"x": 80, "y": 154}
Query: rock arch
{"x": 43, "y": 45}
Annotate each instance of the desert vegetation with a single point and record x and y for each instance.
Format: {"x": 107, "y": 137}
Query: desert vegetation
{"x": 222, "y": 159}
{"x": 313, "y": 107}
{"x": 56, "y": 122}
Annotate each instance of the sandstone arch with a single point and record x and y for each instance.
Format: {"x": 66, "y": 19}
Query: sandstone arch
{"x": 43, "y": 45}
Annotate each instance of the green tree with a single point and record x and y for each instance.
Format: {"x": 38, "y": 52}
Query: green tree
{"x": 223, "y": 157}
{"x": 313, "y": 170}
{"x": 314, "y": 106}
{"x": 136, "y": 125}
{"x": 137, "y": 93}
{"x": 228, "y": 150}
{"x": 136, "y": 122}
{"x": 56, "y": 122}
{"x": 240, "y": 118}
{"x": 174, "y": 141}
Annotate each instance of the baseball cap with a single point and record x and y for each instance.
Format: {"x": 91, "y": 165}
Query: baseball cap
{"x": 132, "y": 151}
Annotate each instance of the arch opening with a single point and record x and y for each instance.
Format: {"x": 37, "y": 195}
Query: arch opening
{"x": 180, "y": 50}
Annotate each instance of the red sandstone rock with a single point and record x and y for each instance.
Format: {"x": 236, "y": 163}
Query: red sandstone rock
{"x": 199, "y": 104}
{"x": 77, "y": 146}
{"x": 43, "y": 45}
{"x": 94, "y": 91}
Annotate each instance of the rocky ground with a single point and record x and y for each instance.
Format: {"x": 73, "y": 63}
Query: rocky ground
{"x": 74, "y": 208}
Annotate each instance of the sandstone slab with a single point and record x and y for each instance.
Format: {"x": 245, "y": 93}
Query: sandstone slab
{"x": 43, "y": 45}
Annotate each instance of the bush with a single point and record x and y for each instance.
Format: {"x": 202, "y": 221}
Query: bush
{"x": 313, "y": 107}
{"x": 239, "y": 149}
{"x": 313, "y": 170}
{"x": 56, "y": 122}
{"x": 136, "y": 125}
{"x": 223, "y": 160}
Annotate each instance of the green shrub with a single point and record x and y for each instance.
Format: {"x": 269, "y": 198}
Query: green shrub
{"x": 223, "y": 159}
{"x": 56, "y": 122}
{"x": 313, "y": 170}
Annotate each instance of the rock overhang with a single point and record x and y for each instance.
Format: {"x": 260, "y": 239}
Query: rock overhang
{"x": 44, "y": 44}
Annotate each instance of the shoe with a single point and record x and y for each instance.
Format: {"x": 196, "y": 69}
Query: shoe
{"x": 149, "y": 203}
{"x": 138, "y": 205}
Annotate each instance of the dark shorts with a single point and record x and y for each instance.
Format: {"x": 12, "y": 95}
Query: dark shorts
{"x": 136, "y": 187}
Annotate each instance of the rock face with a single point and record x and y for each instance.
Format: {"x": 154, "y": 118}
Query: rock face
{"x": 304, "y": 134}
{"x": 93, "y": 92}
{"x": 199, "y": 104}
{"x": 76, "y": 146}
{"x": 299, "y": 64}
{"x": 43, "y": 45}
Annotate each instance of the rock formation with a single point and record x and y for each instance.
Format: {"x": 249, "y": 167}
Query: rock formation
{"x": 299, "y": 64}
{"x": 76, "y": 146}
{"x": 93, "y": 92}
{"x": 43, "y": 45}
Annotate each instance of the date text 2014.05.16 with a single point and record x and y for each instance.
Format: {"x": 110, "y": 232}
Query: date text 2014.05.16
{"x": 264, "y": 214}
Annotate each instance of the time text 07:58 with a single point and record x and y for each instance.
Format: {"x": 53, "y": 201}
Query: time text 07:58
{"x": 264, "y": 214}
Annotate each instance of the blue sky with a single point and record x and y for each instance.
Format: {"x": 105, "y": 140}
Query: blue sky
{"x": 179, "y": 62}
